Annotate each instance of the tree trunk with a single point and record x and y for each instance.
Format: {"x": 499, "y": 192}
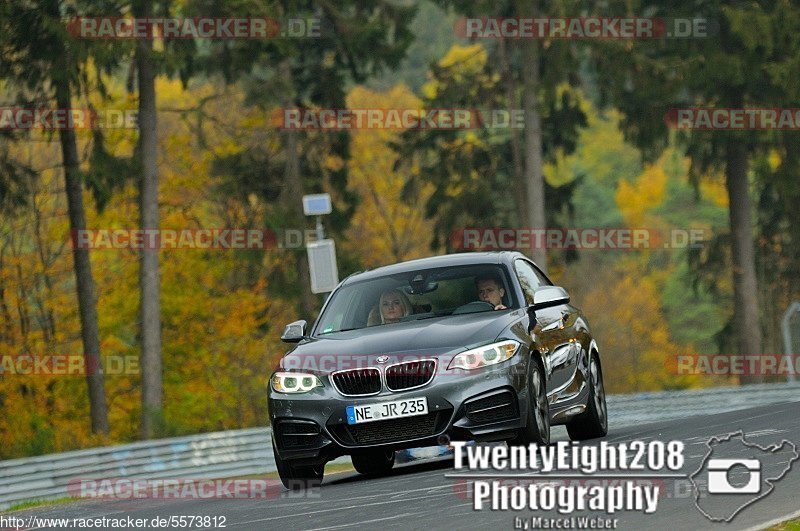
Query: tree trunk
{"x": 745, "y": 288}
{"x": 517, "y": 176}
{"x": 291, "y": 198}
{"x": 534, "y": 178}
{"x": 149, "y": 282}
{"x": 87, "y": 302}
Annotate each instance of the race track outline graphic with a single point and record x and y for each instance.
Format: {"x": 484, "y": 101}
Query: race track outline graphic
{"x": 715, "y": 440}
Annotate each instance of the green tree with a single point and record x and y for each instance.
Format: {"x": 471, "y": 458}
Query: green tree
{"x": 532, "y": 74}
{"x": 356, "y": 40}
{"x": 479, "y": 173}
{"x": 747, "y": 62}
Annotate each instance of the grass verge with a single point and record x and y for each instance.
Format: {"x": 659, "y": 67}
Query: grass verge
{"x": 789, "y": 525}
{"x": 30, "y": 504}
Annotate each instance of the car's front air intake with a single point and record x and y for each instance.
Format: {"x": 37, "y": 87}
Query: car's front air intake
{"x": 410, "y": 374}
{"x": 357, "y": 382}
{"x": 494, "y": 408}
{"x": 297, "y": 434}
{"x": 393, "y": 430}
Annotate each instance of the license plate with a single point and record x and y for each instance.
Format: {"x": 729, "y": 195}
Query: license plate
{"x": 387, "y": 410}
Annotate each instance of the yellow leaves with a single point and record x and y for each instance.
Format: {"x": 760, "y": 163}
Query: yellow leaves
{"x": 572, "y": 94}
{"x": 218, "y": 326}
{"x": 462, "y": 62}
{"x": 603, "y": 153}
{"x": 558, "y": 171}
{"x": 430, "y": 89}
{"x": 774, "y": 159}
{"x": 470, "y": 58}
{"x": 333, "y": 163}
{"x": 384, "y": 228}
{"x": 171, "y": 93}
{"x": 714, "y": 190}
{"x": 454, "y": 189}
{"x": 329, "y": 59}
{"x": 634, "y": 200}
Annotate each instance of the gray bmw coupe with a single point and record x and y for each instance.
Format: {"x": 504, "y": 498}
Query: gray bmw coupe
{"x": 473, "y": 346}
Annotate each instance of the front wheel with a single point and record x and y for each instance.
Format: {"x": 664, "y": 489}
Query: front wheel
{"x": 593, "y": 422}
{"x": 374, "y": 462}
{"x": 297, "y": 476}
{"x": 537, "y": 428}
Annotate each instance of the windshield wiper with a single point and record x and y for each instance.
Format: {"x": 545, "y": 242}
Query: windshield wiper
{"x": 342, "y": 330}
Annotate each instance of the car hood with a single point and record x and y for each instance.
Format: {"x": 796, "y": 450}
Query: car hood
{"x": 434, "y": 337}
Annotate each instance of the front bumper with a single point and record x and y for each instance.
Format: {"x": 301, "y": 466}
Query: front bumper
{"x": 483, "y": 405}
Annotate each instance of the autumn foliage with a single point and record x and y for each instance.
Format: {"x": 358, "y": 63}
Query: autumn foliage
{"x": 223, "y": 164}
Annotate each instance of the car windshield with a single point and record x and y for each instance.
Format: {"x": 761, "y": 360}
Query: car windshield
{"x": 415, "y": 295}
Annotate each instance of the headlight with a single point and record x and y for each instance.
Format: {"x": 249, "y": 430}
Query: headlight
{"x": 487, "y": 355}
{"x": 294, "y": 382}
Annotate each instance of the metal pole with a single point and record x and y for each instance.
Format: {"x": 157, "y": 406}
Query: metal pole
{"x": 787, "y": 339}
{"x": 320, "y": 232}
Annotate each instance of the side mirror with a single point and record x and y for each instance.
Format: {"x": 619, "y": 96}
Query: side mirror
{"x": 294, "y": 332}
{"x": 549, "y": 296}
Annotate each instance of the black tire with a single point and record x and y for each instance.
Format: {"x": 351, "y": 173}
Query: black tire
{"x": 373, "y": 462}
{"x": 537, "y": 427}
{"x": 592, "y": 423}
{"x": 296, "y": 476}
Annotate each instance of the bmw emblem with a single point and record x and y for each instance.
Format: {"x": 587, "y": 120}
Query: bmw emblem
{"x": 382, "y": 359}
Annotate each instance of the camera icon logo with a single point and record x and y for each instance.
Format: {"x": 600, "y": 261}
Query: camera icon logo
{"x": 736, "y": 473}
{"x": 719, "y": 476}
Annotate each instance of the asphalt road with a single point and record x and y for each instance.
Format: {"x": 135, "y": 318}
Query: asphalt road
{"x": 419, "y": 495}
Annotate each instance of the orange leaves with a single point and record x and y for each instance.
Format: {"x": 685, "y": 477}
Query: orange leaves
{"x": 630, "y": 328}
{"x": 713, "y": 189}
{"x": 220, "y": 331}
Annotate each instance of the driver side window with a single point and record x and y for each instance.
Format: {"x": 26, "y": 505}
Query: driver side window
{"x": 528, "y": 279}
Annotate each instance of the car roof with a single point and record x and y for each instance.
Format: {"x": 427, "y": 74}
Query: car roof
{"x": 447, "y": 260}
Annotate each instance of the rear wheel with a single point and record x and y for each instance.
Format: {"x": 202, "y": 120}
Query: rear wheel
{"x": 373, "y": 462}
{"x": 537, "y": 429}
{"x": 297, "y": 476}
{"x": 593, "y": 422}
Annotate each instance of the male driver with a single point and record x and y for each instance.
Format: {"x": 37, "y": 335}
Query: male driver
{"x": 490, "y": 290}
